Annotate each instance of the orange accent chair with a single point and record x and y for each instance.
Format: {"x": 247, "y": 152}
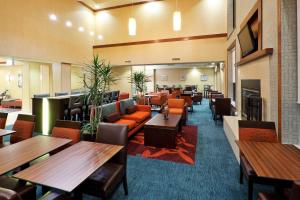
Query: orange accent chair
{"x": 123, "y": 95}
{"x": 158, "y": 100}
{"x": 178, "y": 107}
{"x": 257, "y": 132}
{"x": 3, "y": 117}
{"x": 24, "y": 127}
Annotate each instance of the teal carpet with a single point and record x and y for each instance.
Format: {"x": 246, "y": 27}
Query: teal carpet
{"x": 215, "y": 175}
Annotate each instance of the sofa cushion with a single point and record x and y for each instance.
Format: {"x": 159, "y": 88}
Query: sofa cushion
{"x": 107, "y": 109}
{"x": 176, "y": 111}
{"x": 130, "y": 110}
{"x": 113, "y": 117}
{"x": 130, "y": 123}
{"x": 125, "y": 104}
{"x": 138, "y": 116}
{"x": 176, "y": 103}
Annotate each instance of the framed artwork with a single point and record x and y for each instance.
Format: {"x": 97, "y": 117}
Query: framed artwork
{"x": 164, "y": 78}
{"x": 182, "y": 77}
{"x": 204, "y": 77}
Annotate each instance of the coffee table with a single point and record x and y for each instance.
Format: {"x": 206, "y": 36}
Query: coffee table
{"x": 162, "y": 133}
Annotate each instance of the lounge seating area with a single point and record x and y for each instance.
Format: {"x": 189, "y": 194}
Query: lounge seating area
{"x": 150, "y": 100}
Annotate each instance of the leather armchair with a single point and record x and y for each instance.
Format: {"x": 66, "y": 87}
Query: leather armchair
{"x": 107, "y": 178}
{"x": 221, "y": 107}
{"x": 197, "y": 97}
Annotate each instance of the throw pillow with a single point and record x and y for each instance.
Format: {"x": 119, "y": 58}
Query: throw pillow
{"x": 113, "y": 117}
{"x": 130, "y": 110}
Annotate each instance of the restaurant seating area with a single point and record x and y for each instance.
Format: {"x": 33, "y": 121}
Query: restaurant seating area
{"x": 150, "y": 100}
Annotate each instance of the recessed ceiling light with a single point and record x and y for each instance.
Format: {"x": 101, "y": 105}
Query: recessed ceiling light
{"x": 97, "y": 6}
{"x": 69, "y": 24}
{"x": 92, "y": 33}
{"x": 100, "y": 37}
{"x": 81, "y": 29}
{"x": 52, "y": 17}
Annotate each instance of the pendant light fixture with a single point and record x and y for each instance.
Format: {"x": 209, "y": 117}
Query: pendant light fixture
{"x": 132, "y": 24}
{"x": 177, "y": 19}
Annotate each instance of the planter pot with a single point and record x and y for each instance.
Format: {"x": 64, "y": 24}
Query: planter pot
{"x": 88, "y": 137}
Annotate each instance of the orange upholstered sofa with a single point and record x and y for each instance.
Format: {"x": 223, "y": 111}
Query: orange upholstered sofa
{"x": 134, "y": 121}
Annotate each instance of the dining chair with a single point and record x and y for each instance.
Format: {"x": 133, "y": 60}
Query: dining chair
{"x": 13, "y": 189}
{"x": 107, "y": 178}
{"x": 24, "y": 127}
{"x": 289, "y": 194}
{"x": 221, "y": 107}
{"x": 257, "y": 132}
{"x": 3, "y": 118}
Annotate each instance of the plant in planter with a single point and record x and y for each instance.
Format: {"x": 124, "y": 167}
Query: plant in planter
{"x": 139, "y": 80}
{"x": 98, "y": 78}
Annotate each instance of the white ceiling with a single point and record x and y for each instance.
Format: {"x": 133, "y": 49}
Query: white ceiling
{"x": 100, "y": 4}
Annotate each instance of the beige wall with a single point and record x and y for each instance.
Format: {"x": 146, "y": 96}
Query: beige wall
{"x": 76, "y": 78}
{"x": 122, "y": 74}
{"x": 9, "y": 80}
{"x": 27, "y": 32}
{"x": 266, "y": 68}
{"x": 192, "y": 77}
{"x": 154, "y": 20}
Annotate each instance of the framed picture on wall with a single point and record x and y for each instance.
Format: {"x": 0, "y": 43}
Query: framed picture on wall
{"x": 204, "y": 77}
{"x": 182, "y": 77}
{"x": 164, "y": 78}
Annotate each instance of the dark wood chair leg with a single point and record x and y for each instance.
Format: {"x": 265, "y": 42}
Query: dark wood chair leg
{"x": 250, "y": 189}
{"x": 241, "y": 175}
{"x": 125, "y": 186}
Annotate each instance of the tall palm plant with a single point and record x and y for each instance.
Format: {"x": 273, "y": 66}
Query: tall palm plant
{"x": 139, "y": 80}
{"x": 98, "y": 78}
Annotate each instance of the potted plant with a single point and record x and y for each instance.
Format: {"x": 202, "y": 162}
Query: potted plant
{"x": 97, "y": 80}
{"x": 139, "y": 80}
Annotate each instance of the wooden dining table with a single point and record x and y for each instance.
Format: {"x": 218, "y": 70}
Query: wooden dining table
{"x": 18, "y": 154}
{"x": 4, "y": 132}
{"x": 272, "y": 160}
{"x": 69, "y": 168}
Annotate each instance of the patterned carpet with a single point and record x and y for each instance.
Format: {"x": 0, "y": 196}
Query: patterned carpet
{"x": 184, "y": 152}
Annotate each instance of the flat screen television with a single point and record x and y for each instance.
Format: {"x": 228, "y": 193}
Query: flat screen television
{"x": 247, "y": 41}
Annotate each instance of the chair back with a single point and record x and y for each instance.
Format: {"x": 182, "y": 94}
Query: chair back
{"x": 6, "y": 194}
{"x": 223, "y": 106}
{"x": 41, "y": 95}
{"x": 24, "y": 127}
{"x": 295, "y": 193}
{"x": 187, "y": 98}
{"x": 57, "y": 94}
{"x": 123, "y": 95}
{"x": 115, "y": 134}
{"x": 76, "y": 101}
{"x": 257, "y": 131}
{"x": 67, "y": 129}
{"x": 176, "y": 103}
{"x": 3, "y": 118}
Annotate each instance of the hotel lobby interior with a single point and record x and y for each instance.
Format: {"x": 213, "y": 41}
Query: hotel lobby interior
{"x": 149, "y": 99}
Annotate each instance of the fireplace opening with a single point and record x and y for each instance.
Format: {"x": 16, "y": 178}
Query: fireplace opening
{"x": 251, "y": 100}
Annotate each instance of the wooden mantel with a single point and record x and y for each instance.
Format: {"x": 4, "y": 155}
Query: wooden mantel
{"x": 255, "y": 56}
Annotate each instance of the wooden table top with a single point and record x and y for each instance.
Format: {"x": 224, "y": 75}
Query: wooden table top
{"x": 70, "y": 167}
{"x": 4, "y": 132}
{"x": 272, "y": 160}
{"x": 18, "y": 154}
{"x": 159, "y": 121}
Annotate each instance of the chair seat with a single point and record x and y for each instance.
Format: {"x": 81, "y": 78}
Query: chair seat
{"x": 6, "y": 194}
{"x": 25, "y": 190}
{"x": 130, "y": 123}
{"x": 107, "y": 176}
{"x": 246, "y": 166}
{"x": 176, "y": 111}
{"x": 138, "y": 116}
{"x": 54, "y": 196}
{"x": 75, "y": 111}
{"x": 267, "y": 196}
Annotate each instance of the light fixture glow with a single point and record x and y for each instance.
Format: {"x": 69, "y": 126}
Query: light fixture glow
{"x": 69, "y": 24}
{"x": 81, "y": 29}
{"x": 100, "y": 37}
{"x": 53, "y": 17}
{"x": 132, "y": 26}
{"x": 92, "y": 33}
{"x": 97, "y": 6}
{"x": 177, "y": 21}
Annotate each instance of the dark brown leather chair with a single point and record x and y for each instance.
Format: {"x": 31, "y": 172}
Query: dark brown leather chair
{"x": 221, "y": 107}
{"x": 257, "y": 132}
{"x": 197, "y": 98}
{"x": 16, "y": 190}
{"x": 289, "y": 194}
{"x": 107, "y": 178}
{"x": 3, "y": 117}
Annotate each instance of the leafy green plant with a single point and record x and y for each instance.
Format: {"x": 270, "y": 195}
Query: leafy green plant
{"x": 97, "y": 80}
{"x": 139, "y": 80}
